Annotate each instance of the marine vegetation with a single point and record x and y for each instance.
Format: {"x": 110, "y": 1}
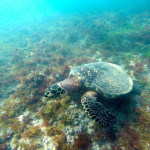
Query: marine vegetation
{"x": 34, "y": 57}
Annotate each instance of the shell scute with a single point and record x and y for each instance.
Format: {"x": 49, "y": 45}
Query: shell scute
{"x": 105, "y": 78}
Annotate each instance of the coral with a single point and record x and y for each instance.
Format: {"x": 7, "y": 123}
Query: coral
{"x": 32, "y": 132}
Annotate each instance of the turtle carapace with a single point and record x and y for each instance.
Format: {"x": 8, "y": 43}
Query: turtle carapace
{"x": 99, "y": 78}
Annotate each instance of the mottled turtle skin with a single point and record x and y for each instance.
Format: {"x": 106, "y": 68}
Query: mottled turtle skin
{"x": 99, "y": 78}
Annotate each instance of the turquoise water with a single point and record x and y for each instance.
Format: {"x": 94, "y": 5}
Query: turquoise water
{"x": 41, "y": 42}
{"x": 25, "y": 10}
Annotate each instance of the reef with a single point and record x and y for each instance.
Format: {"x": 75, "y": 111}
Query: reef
{"x": 44, "y": 54}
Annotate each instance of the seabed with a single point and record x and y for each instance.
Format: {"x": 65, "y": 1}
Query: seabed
{"x": 38, "y": 55}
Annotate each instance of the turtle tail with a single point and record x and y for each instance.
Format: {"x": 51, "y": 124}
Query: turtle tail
{"x": 96, "y": 111}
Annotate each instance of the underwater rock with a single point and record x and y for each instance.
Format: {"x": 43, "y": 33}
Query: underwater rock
{"x": 48, "y": 143}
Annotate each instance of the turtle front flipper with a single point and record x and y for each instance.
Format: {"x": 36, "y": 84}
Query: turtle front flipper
{"x": 96, "y": 111}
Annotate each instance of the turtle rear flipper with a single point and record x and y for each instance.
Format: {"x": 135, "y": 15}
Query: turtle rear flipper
{"x": 96, "y": 111}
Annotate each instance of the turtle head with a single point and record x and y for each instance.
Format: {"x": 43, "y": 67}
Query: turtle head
{"x": 55, "y": 91}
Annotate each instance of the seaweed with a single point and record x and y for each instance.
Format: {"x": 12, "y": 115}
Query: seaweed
{"x": 130, "y": 138}
{"x": 59, "y": 140}
{"x": 66, "y": 119}
{"x": 52, "y": 111}
{"x": 138, "y": 68}
{"x": 63, "y": 72}
{"x": 53, "y": 131}
{"x": 17, "y": 127}
{"x": 32, "y": 132}
{"x": 43, "y": 56}
{"x": 11, "y": 109}
{"x": 83, "y": 141}
{"x": 3, "y": 146}
{"x": 31, "y": 146}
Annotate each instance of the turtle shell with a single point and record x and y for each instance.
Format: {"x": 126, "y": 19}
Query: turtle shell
{"x": 106, "y": 78}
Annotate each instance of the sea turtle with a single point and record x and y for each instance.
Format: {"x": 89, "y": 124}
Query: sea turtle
{"x": 98, "y": 78}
